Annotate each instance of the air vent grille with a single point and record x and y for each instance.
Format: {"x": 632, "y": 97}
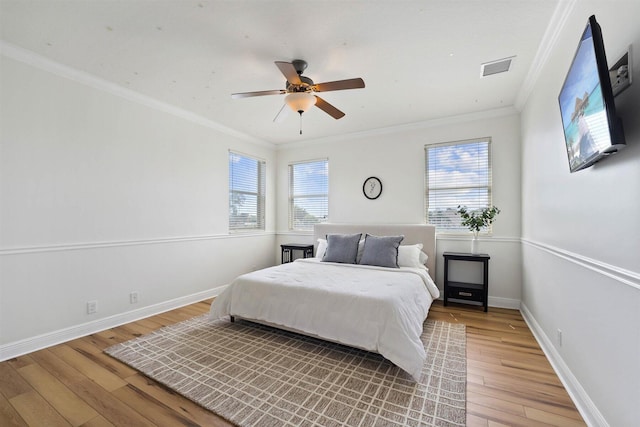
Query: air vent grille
{"x": 496, "y": 67}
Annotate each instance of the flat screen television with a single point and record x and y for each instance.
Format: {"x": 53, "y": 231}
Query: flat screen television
{"x": 592, "y": 130}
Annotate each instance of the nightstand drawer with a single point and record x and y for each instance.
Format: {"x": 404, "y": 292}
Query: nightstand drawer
{"x": 465, "y": 293}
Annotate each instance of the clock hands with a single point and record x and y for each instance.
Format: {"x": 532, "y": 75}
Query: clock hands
{"x": 372, "y": 188}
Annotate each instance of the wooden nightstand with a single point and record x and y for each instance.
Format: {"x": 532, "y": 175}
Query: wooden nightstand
{"x": 478, "y": 292}
{"x": 288, "y": 248}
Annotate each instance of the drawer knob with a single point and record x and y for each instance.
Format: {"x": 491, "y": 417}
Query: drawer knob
{"x": 465, "y": 294}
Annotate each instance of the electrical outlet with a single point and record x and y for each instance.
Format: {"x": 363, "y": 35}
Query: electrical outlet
{"x": 559, "y": 337}
{"x": 133, "y": 297}
{"x": 92, "y": 307}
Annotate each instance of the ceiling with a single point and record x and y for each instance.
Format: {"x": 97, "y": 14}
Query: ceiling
{"x": 420, "y": 60}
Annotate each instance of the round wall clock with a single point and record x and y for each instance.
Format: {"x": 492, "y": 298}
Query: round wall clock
{"x": 372, "y": 188}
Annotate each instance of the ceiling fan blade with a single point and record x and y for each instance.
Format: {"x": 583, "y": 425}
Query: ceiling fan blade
{"x": 282, "y": 114}
{"x": 328, "y": 108}
{"x": 259, "y": 93}
{"x": 339, "y": 85}
{"x": 289, "y": 72}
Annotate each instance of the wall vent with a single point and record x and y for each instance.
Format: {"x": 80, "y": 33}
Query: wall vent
{"x": 496, "y": 67}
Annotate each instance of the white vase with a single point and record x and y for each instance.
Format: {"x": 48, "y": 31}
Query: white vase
{"x": 475, "y": 245}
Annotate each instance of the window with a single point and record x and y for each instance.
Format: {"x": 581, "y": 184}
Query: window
{"x": 308, "y": 194}
{"x": 457, "y": 173}
{"x": 246, "y": 192}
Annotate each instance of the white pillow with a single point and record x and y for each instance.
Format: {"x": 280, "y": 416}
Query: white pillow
{"x": 411, "y": 256}
{"x": 423, "y": 258}
{"x": 322, "y": 248}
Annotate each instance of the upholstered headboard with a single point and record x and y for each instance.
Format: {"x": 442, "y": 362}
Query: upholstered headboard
{"x": 413, "y": 234}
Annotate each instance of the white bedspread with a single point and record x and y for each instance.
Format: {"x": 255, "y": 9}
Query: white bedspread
{"x": 373, "y": 308}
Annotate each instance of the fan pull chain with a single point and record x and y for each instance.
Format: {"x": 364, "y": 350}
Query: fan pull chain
{"x": 300, "y": 121}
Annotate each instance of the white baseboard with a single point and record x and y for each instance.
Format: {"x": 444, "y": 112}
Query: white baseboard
{"x": 581, "y": 399}
{"x": 513, "y": 304}
{"x": 29, "y": 345}
{"x": 497, "y": 302}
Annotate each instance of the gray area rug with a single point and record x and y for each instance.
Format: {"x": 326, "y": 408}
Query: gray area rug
{"x": 253, "y": 375}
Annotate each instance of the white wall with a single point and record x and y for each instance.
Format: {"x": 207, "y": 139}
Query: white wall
{"x": 102, "y": 196}
{"x": 397, "y": 157}
{"x": 581, "y": 251}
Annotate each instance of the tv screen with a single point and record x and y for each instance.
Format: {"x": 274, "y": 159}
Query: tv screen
{"x": 592, "y": 130}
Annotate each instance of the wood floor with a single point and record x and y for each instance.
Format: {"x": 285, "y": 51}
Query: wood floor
{"x": 510, "y": 382}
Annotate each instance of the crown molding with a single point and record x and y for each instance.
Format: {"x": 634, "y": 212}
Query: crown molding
{"x": 444, "y": 121}
{"x": 549, "y": 39}
{"x": 36, "y": 60}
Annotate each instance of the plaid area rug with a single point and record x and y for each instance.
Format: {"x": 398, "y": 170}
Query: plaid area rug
{"x": 254, "y": 375}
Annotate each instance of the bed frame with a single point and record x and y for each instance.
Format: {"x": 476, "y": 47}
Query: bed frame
{"x": 413, "y": 234}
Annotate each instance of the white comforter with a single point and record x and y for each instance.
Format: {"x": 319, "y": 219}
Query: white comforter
{"x": 373, "y": 308}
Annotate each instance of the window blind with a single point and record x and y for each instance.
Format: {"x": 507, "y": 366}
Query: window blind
{"x": 457, "y": 173}
{"x": 246, "y": 192}
{"x": 308, "y": 194}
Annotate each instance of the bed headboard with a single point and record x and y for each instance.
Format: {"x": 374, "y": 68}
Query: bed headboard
{"x": 413, "y": 234}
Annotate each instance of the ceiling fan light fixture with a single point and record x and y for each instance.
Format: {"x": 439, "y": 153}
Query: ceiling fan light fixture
{"x": 300, "y": 102}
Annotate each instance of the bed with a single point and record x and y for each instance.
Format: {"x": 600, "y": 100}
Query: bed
{"x": 368, "y": 306}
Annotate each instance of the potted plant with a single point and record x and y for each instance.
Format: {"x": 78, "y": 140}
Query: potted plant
{"x": 476, "y": 220}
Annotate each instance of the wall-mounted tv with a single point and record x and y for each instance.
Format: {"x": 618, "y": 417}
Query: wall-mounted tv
{"x": 592, "y": 130}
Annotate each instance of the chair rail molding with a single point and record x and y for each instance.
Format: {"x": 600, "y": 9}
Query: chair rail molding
{"x": 622, "y": 275}
{"x": 116, "y": 243}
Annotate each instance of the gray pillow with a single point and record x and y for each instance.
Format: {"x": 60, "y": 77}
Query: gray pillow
{"x": 342, "y": 248}
{"x": 381, "y": 251}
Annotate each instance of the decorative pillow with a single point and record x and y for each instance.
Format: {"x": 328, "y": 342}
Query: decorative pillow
{"x": 342, "y": 248}
{"x": 322, "y": 248}
{"x": 360, "y": 250}
{"x": 381, "y": 251}
{"x": 411, "y": 256}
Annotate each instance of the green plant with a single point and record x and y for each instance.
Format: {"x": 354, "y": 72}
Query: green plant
{"x": 479, "y": 218}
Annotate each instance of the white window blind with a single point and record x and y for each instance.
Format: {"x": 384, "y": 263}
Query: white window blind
{"x": 457, "y": 173}
{"x": 308, "y": 194}
{"x": 246, "y": 192}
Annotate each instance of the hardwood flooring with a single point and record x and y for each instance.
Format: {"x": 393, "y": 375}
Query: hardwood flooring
{"x": 509, "y": 380}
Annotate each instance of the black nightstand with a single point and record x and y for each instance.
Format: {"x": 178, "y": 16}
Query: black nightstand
{"x": 478, "y": 292}
{"x": 288, "y": 248}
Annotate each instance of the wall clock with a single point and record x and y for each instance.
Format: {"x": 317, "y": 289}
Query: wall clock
{"x": 372, "y": 188}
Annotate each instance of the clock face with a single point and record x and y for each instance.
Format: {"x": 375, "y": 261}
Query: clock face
{"x": 372, "y": 188}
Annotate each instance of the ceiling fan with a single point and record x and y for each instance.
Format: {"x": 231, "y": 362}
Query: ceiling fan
{"x": 301, "y": 90}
